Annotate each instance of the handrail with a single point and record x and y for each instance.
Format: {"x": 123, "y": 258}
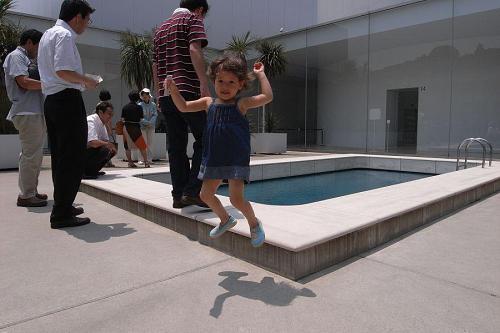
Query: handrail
{"x": 459, "y": 149}
{"x": 491, "y": 149}
{"x": 467, "y": 150}
{"x": 468, "y": 142}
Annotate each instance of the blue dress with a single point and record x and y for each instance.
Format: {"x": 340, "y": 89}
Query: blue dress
{"x": 226, "y": 144}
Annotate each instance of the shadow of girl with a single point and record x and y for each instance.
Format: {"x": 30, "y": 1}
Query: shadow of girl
{"x": 267, "y": 291}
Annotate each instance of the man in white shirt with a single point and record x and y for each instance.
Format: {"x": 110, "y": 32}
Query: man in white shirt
{"x": 99, "y": 149}
{"x": 63, "y": 81}
{"x": 24, "y": 91}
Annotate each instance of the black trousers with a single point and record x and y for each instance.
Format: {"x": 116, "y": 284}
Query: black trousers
{"x": 97, "y": 159}
{"x": 184, "y": 177}
{"x": 67, "y": 131}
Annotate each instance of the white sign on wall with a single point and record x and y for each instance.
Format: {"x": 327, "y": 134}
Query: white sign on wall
{"x": 375, "y": 114}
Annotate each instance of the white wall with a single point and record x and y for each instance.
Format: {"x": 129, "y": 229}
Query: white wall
{"x": 329, "y": 10}
{"x": 263, "y": 18}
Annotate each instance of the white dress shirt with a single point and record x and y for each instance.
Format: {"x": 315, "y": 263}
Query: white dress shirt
{"x": 97, "y": 130}
{"x": 57, "y": 51}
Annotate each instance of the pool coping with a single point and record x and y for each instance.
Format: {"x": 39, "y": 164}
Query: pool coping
{"x": 371, "y": 217}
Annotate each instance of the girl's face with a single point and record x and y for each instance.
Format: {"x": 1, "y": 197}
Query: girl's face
{"x": 227, "y": 85}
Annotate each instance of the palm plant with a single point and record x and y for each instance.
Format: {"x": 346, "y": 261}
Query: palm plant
{"x": 5, "y": 5}
{"x": 241, "y": 44}
{"x": 272, "y": 55}
{"x": 9, "y": 38}
{"x": 136, "y": 60}
{"x": 9, "y": 33}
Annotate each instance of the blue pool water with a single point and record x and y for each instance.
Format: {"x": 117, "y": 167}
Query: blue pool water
{"x": 311, "y": 188}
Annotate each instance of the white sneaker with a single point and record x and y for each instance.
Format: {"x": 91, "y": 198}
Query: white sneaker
{"x": 140, "y": 162}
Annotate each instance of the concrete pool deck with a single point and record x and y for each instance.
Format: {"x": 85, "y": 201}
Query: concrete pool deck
{"x": 122, "y": 273}
{"x": 303, "y": 239}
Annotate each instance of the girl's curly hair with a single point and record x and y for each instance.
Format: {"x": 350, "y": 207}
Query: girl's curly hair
{"x": 234, "y": 63}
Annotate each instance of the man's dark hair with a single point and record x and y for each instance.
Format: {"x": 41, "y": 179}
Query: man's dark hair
{"x": 33, "y": 35}
{"x": 103, "y": 106}
{"x": 194, "y": 4}
{"x": 134, "y": 96}
{"x": 104, "y": 96}
{"x": 71, "y": 8}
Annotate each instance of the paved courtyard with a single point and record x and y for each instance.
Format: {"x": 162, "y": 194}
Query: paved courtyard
{"x": 122, "y": 273}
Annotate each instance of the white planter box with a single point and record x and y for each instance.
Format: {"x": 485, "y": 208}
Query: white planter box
{"x": 10, "y": 148}
{"x": 159, "y": 148}
{"x": 268, "y": 143}
{"x": 260, "y": 143}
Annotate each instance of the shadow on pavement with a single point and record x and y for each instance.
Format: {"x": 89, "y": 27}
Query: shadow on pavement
{"x": 267, "y": 291}
{"x": 95, "y": 233}
{"x": 42, "y": 210}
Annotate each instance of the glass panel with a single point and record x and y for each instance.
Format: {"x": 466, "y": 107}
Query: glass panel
{"x": 337, "y": 74}
{"x": 476, "y": 73}
{"x": 410, "y": 79}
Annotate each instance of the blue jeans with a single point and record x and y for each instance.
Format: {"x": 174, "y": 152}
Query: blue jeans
{"x": 184, "y": 176}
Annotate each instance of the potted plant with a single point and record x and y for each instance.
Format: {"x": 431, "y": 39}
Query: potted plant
{"x": 272, "y": 55}
{"x": 136, "y": 55}
{"x": 9, "y": 38}
{"x": 241, "y": 44}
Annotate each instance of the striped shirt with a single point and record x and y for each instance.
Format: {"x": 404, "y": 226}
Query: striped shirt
{"x": 171, "y": 50}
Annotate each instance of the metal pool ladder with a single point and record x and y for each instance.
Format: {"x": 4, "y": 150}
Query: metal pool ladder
{"x": 467, "y": 143}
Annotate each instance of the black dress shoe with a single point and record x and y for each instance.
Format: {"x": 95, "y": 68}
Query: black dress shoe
{"x": 69, "y": 222}
{"x": 189, "y": 201}
{"x": 31, "y": 202}
{"x": 101, "y": 173}
{"x": 75, "y": 211}
{"x": 178, "y": 203}
{"x": 42, "y": 196}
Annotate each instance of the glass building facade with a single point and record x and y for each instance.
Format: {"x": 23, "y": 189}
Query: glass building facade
{"x": 417, "y": 79}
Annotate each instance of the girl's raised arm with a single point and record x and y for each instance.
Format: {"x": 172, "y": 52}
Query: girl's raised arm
{"x": 266, "y": 95}
{"x": 179, "y": 101}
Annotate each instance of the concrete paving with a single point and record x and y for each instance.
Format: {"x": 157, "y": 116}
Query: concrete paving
{"x": 122, "y": 273}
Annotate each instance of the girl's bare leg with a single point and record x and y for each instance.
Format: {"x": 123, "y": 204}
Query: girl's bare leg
{"x": 236, "y": 194}
{"x": 129, "y": 156}
{"x": 207, "y": 194}
{"x": 144, "y": 154}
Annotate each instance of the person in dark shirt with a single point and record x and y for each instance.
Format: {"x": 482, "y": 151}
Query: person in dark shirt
{"x": 131, "y": 115}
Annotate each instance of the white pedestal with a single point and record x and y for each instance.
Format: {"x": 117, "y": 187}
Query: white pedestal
{"x": 268, "y": 143}
{"x": 10, "y": 148}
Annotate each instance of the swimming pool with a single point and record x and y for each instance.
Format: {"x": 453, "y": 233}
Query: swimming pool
{"x": 304, "y": 239}
{"x": 306, "y": 189}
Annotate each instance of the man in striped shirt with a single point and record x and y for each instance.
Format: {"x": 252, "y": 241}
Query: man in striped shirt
{"x": 178, "y": 45}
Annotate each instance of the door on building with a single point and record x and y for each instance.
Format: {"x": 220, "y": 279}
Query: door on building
{"x": 402, "y": 121}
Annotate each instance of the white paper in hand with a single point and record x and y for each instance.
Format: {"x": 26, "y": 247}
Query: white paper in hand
{"x": 97, "y": 78}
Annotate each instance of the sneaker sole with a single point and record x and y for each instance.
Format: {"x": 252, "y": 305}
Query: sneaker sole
{"x": 221, "y": 233}
{"x": 258, "y": 245}
{"x": 33, "y": 205}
